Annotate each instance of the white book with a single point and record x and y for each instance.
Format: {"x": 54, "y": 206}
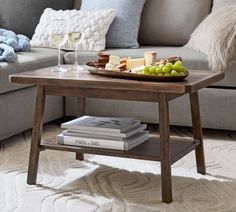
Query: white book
{"x": 108, "y": 124}
{"x": 100, "y": 137}
{"x": 89, "y": 135}
{"x": 127, "y": 134}
{"x": 138, "y": 139}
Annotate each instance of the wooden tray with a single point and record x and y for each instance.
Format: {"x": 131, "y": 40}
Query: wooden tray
{"x": 128, "y": 75}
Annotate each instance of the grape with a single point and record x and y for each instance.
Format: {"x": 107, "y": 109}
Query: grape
{"x": 174, "y": 73}
{"x": 161, "y": 66}
{"x": 158, "y": 70}
{"x": 182, "y": 69}
{"x": 146, "y": 70}
{"x": 176, "y": 67}
{"x": 169, "y": 65}
{"x": 178, "y": 63}
{"x": 166, "y": 70}
{"x": 152, "y": 70}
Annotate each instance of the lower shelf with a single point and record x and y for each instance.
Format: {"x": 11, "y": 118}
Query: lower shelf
{"x": 150, "y": 150}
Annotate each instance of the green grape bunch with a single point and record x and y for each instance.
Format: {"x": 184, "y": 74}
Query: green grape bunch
{"x": 169, "y": 69}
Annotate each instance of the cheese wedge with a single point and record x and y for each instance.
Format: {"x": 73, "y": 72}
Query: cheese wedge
{"x": 134, "y": 63}
{"x": 150, "y": 58}
{"x": 115, "y": 60}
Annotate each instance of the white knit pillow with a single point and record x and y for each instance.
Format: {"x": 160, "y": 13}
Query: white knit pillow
{"x": 94, "y": 24}
{"x": 216, "y": 37}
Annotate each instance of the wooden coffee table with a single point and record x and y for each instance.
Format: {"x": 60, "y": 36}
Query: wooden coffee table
{"x": 165, "y": 149}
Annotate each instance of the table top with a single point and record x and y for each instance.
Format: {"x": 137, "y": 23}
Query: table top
{"x": 196, "y": 80}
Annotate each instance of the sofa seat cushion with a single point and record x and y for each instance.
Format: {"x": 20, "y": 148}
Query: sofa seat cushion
{"x": 26, "y": 61}
{"x": 192, "y": 59}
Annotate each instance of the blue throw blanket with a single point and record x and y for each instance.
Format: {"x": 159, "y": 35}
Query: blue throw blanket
{"x": 10, "y": 43}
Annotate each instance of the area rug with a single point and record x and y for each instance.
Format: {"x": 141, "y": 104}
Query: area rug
{"x": 116, "y": 184}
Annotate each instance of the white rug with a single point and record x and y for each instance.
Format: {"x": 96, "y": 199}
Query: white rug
{"x": 116, "y": 184}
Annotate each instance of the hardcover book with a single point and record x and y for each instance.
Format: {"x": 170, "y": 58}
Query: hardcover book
{"x": 126, "y": 145}
{"x": 132, "y": 131}
{"x": 107, "y": 124}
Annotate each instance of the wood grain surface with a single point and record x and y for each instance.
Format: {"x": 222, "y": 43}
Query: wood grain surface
{"x": 196, "y": 80}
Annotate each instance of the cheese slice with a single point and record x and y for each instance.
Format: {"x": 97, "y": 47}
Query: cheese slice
{"x": 115, "y": 60}
{"x": 110, "y": 66}
{"x": 150, "y": 58}
{"x": 134, "y": 63}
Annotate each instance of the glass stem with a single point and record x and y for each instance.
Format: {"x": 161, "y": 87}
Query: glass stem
{"x": 76, "y": 55}
{"x": 59, "y": 57}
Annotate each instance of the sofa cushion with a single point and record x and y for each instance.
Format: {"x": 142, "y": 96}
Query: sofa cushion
{"x": 94, "y": 26}
{"x": 22, "y": 16}
{"x": 192, "y": 59}
{"x": 216, "y": 37}
{"x": 26, "y": 61}
{"x": 77, "y": 4}
{"x": 221, "y": 3}
{"x": 168, "y": 22}
{"x": 123, "y": 32}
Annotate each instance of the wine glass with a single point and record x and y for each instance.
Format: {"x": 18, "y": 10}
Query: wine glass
{"x": 58, "y": 36}
{"x": 76, "y": 37}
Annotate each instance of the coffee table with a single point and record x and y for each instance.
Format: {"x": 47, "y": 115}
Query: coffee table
{"x": 165, "y": 149}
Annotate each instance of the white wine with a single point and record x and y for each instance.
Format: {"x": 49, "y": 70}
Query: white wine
{"x": 59, "y": 39}
{"x": 76, "y": 37}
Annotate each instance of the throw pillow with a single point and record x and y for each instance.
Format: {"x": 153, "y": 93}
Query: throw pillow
{"x": 93, "y": 24}
{"x": 124, "y": 30}
{"x": 221, "y": 3}
{"x": 216, "y": 37}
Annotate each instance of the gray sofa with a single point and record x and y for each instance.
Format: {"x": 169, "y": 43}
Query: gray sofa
{"x": 218, "y": 103}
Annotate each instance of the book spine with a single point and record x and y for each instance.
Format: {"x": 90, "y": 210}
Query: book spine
{"x": 120, "y": 135}
{"x": 74, "y": 134}
{"x": 79, "y": 127}
{"x": 129, "y": 146}
{"x": 100, "y": 129}
{"x": 87, "y": 142}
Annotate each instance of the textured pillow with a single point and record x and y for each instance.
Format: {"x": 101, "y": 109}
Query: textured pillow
{"x": 216, "y": 37}
{"x": 221, "y": 3}
{"x": 22, "y": 16}
{"x": 171, "y": 22}
{"x": 94, "y": 24}
{"x": 123, "y": 32}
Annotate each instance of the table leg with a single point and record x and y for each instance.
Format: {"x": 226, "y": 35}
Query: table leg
{"x": 36, "y": 135}
{"x": 165, "y": 152}
{"x": 197, "y": 132}
{"x": 81, "y": 103}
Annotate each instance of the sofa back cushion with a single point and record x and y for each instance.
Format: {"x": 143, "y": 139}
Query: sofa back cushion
{"x": 124, "y": 30}
{"x": 221, "y": 3}
{"x": 168, "y": 22}
{"x": 77, "y": 4}
{"x": 22, "y": 16}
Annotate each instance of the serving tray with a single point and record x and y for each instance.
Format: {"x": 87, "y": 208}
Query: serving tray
{"x": 128, "y": 75}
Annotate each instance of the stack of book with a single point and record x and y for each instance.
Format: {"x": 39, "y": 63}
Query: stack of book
{"x": 118, "y": 133}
